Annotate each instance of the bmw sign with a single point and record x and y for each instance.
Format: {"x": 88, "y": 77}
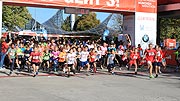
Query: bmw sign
{"x": 145, "y": 38}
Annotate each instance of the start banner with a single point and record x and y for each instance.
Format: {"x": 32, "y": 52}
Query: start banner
{"x": 115, "y": 5}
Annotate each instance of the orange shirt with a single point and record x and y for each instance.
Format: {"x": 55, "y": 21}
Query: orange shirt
{"x": 62, "y": 57}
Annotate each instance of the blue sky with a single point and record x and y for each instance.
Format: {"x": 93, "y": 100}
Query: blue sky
{"x": 43, "y": 14}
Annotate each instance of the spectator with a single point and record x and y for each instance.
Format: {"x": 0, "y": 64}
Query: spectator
{"x": 4, "y": 48}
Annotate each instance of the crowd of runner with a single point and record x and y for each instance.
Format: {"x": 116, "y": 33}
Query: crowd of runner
{"x": 76, "y": 56}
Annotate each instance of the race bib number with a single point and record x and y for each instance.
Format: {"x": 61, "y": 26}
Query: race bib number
{"x": 135, "y": 57}
{"x": 93, "y": 56}
{"x": 12, "y": 54}
{"x": 120, "y": 52}
{"x": 35, "y": 57}
{"x": 27, "y": 55}
{"x": 151, "y": 54}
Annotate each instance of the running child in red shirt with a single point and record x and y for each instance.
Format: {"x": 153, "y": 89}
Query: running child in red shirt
{"x": 35, "y": 58}
{"x": 92, "y": 59}
{"x": 134, "y": 56}
{"x": 150, "y": 57}
{"x": 158, "y": 61}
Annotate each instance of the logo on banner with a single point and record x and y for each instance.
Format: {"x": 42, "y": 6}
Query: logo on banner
{"x": 141, "y": 27}
{"x": 145, "y": 38}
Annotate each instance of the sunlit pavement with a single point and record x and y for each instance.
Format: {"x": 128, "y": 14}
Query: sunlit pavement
{"x": 102, "y": 86}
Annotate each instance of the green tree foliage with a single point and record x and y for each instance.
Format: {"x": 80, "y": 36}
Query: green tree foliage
{"x": 169, "y": 28}
{"x": 15, "y": 16}
{"x": 66, "y": 25}
{"x": 86, "y": 22}
{"x": 82, "y": 23}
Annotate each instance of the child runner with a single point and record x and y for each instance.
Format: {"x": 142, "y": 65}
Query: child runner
{"x": 27, "y": 53}
{"x": 125, "y": 58}
{"x": 35, "y": 60}
{"x": 78, "y": 58}
{"x": 55, "y": 55}
{"x": 110, "y": 62}
{"x": 134, "y": 56}
{"x": 75, "y": 53}
{"x": 99, "y": 56}
{"x": 92, "y": 59}
{"x": 46, "y": 59}
{"x": 19, "y": 59}
{"x": 84, "y": 58}
{"x": 71, "y": 57}
{"x": 12, "y": 57}
{"x": 150, "y": 57}
{"x": 104, "y": 51}
{"x": 158, "y": 61}
{"x": 62, "y": 59}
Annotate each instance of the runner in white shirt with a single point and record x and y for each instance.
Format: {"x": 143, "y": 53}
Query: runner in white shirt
{"x": 99, "y": 53}
{"x": 71, "y": 61}
{"x": 99, "y": 56}
{"x": 84, "y": 58}
{"x": 104, "y": 51}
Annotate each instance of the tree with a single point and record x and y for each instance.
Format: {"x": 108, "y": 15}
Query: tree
{"x": 169, "y": 28}
{"x": 15, "y": 16}
{"x": 66, "y": 25}
{"x": 82, "y": 23}
{"x": 86, "y": 22}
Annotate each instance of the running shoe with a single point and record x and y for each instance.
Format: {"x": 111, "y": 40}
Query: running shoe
{"x": 10, "y": 73}
{"x": 112, "y": 73}
{"x": 74, "y": 72}
{"x": 102, "y": 67}
{"x": 2, "y": 68}
{"x": 37, "y": 73}
{"x": 127, "y": 66}
{"x": 34, "y": 75}
{"x": 151, "y": 76}
{"x": 156, "y": 76}
{"x": 160, "y": 72}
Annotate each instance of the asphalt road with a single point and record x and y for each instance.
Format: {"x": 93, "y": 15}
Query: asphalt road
{"x": 125, "y": 86}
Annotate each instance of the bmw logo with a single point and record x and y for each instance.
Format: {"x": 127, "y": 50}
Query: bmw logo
{"x": 145, "y": 38}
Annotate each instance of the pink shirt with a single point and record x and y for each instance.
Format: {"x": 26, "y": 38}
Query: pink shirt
{"x": 55, "y": 54}
{"x": 104, "y": 50}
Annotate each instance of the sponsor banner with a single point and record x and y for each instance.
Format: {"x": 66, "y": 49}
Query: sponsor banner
{"x": 170, "y": 43}
{"x": 145, "y": 22}
{"x": 145, "y": 29}
{"x": 146, "y": 6}
{"x": 129, "y": 27}
{"x": 116, "y": 5}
